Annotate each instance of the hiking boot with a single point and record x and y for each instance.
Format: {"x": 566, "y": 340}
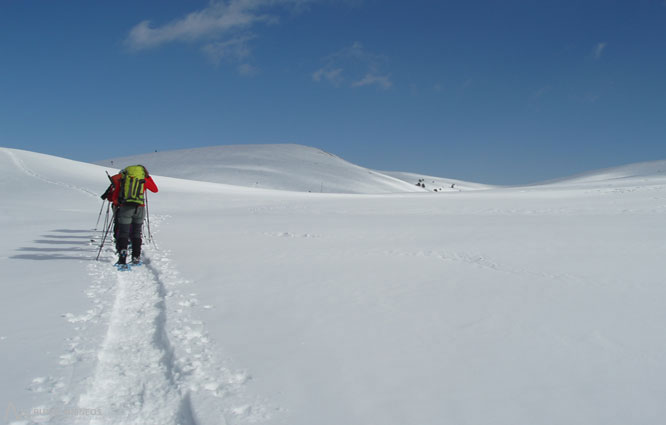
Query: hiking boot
{"x": 136, "y": 261}
{"x": 122, "y": 257}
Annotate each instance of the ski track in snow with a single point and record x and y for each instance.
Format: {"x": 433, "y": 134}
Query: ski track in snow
{"x": 21, "y": 165}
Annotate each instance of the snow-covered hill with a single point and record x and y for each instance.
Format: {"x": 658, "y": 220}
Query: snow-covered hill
{"x": 639, "y": 170}
{"x": 526, "y": 305}
{"x": 283, "y": 167}
{"x": 437, "y": 184}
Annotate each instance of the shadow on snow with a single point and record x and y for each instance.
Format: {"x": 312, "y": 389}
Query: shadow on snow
{"x": 65, "y": 247}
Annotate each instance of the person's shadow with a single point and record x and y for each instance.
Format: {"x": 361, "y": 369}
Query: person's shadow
{"x": 62, "y": 244}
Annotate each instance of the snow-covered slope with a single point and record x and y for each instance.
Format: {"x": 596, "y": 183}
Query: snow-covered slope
{"x": 283, "y": 167}
{"x": 639, "y": 170}
{"x": 532, "y": 305}
{"x": 437, "y": 184}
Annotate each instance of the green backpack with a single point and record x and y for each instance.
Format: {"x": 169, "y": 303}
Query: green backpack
{"x": 132, "y": 185}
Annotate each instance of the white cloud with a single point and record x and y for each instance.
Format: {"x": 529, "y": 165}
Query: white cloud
{"x": 333, "y": 76}
{"x": 214, "y": 20}
{"x": 382, "y": 81}
{"x": 363, "y": 67}
{"x": 218, "y": 27}
{"x": 599, "y": 50}
{"x": 233, "y": 49}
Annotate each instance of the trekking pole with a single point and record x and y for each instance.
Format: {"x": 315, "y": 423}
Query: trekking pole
{"x": 106, "y": 219}
{"x": 150, "y": 234}
{"x": 108, "y": 228}
{"x": 99, "y": 215}
{"x": 106, "y": 216}
{"x": 104, "y": 198}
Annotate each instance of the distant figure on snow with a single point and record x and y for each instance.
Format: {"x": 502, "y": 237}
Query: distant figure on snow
{"x": 127, "y": 194}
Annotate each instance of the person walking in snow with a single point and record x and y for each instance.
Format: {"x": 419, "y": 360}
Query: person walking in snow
{"x": 127, "y": 194}
{"x": 111, "y": 195}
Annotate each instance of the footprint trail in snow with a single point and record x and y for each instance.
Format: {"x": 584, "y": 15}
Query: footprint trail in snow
{"x": 136, "y": 379}
{"x": 153, "y": 362}
{"x": 156, "y": 364}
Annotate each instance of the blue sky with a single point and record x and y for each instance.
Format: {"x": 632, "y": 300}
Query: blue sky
{"x": 502, "y": 92}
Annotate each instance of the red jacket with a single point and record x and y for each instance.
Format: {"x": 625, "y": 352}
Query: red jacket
{"x": 115, "y": 188}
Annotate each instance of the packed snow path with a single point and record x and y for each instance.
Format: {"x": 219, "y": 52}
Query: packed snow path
{"x": 137, "y": 380}
{"x": 155, "y": 357}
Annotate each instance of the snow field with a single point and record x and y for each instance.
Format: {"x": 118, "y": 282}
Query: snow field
{"x": 137, "y": 355}
{"x": 407, "y": 312}
{"x": 539, "y": 304}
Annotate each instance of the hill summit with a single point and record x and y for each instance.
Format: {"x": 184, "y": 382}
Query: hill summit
{"x": 282, "y": 167}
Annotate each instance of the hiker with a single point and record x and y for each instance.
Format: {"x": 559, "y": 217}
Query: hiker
{"x": 111, "y": 195}
{"x": 126, "y": 193}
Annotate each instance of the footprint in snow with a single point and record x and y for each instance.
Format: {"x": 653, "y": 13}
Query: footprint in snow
{"x": 45, "y": 384}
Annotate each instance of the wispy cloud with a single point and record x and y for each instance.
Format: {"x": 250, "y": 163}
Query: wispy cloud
{"x": 247, "y": 70}
{"x": 220, "y": 27}
{"x": 599, "y": 50}
{"x": 218, "y": 18}
{"x": 234, "y": 49}
{"x": 333, "y": 76}
{"x": 354, "y": 65}
{"x": 382, "y": 81}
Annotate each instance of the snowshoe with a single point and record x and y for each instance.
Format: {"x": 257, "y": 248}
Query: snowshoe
{"x": 123, "y": 267}
{"x": 122, "y": 261}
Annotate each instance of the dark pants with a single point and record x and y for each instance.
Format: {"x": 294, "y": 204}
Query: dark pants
{"x": 129, "y": 222}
